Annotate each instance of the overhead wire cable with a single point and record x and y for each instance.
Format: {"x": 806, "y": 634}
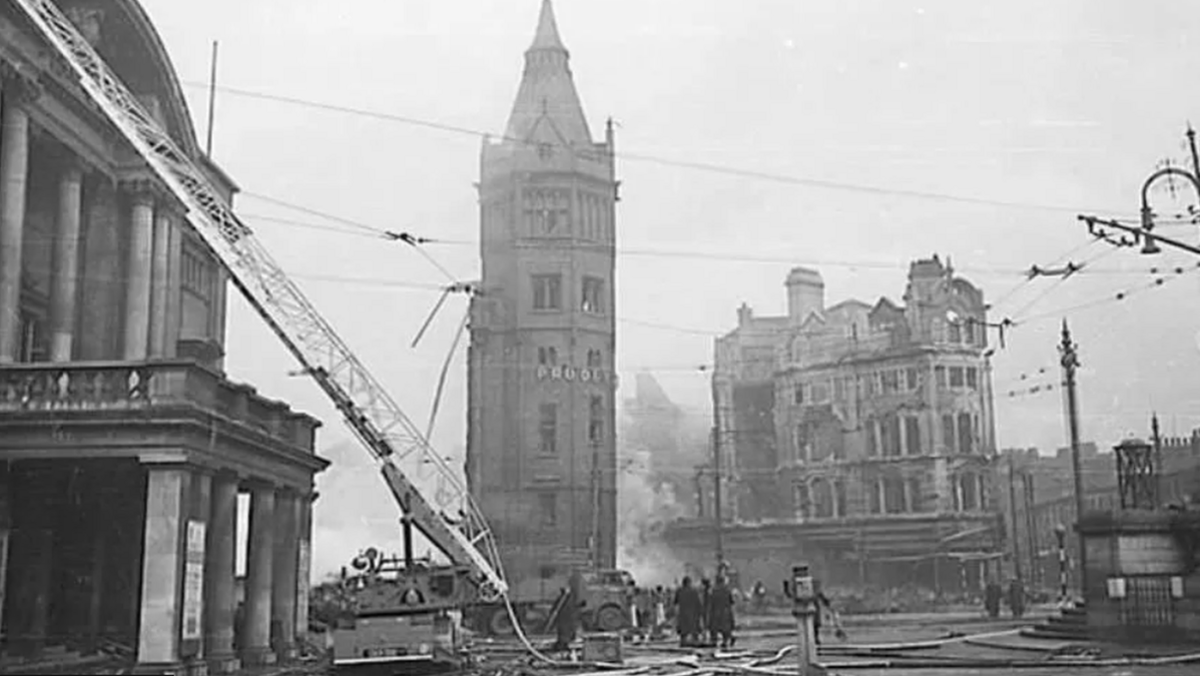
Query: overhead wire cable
{"x": 652, "y": 159}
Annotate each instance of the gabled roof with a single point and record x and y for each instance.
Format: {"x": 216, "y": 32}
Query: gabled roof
{"x": 547, "y": 92}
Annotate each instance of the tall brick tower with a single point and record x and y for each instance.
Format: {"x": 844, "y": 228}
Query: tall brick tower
{"x": 541, "y": 451}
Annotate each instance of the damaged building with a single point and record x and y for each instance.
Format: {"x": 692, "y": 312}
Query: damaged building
{"x": 858, "y": 437}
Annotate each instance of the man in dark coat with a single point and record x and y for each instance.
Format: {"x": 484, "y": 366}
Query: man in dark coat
{"x": 992, "y": 595}
{"x": 721, "y": 613}
{"x": 687, "y": 614}
{"x": 568, "y": 615}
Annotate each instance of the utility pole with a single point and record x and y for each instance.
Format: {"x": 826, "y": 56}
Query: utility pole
{"x": 1031, "y": 536}
{"x": 1070, "y": 362}
{"x": 716, "y": 460}
{"x": 1012, "y": 517}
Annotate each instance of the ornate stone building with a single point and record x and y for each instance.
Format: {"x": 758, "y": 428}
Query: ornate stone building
{"x": 123, "y": 446}
{"x": 860, "y": 436}
{"x": 541, "y": 452}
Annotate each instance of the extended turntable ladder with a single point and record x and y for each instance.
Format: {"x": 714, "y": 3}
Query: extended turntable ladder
{"x": 421, "y": 481}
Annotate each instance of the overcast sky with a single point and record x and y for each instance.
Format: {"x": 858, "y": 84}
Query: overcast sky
{"x": 1067, "y": 104}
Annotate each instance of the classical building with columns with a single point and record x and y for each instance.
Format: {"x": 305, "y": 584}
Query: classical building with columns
{"x": 123, "y": 446}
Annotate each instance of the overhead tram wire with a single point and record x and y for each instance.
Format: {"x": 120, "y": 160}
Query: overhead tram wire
{"x": 1053, "y": 286}
{"x": 1030, "y": 277}
{"x": 652, "y": 159}
{"x": 1118, "y": 297}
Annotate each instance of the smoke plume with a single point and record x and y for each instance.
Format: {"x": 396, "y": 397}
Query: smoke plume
{"x": 646, "y": 506}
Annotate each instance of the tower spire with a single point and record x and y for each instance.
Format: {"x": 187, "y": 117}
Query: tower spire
{"x": 547, "y": 105}
{"x": 547, "y": 36}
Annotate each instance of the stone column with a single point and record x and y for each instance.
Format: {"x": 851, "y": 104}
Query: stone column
{"x": 255, "y": 640}
{"x": 99, "y": 334}
{"x": 138, "y": 280}
{"x": 283, "y": 588}
{"x": 14, "y": 173}
{"x": 160, "y": 282}
{"x": 304, "y": 508}
{"x": 64, "y": 278}
{"x": 162, "y": 569}
{"x": 174, "y": 287}
{"x": 220, "y": 591}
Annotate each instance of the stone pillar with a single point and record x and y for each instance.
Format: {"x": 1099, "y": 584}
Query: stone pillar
{"x": 64, "y": 277}
{"x": 304, "y": 563}
{"x": 162, "y": 569}
{"x": 198, "y": 508}
{"x": 283, "y": 588}
{"x": 14, "y": 172}
{"x": 138, "y": 280}
{"x": 220, "y": 591}
{"x": 255, "y": 640}
{"x": 174, "y": 287}
{"x": 6, "y": 524}
{"x": 100, "y": 322}
{"x": 160, "y": 283}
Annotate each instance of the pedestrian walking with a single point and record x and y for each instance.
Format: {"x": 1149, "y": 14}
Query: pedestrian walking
{"x": 1016, "y": 598}
{"x": 721, "y": 615}
{"x": 687, "y": 612}
{"x": 993, "y": 594}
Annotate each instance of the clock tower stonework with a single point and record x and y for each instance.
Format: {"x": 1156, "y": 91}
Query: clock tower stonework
{"x": 541, "y": 447}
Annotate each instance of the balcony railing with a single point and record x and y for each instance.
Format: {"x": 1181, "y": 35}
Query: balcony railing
{"x": 109, "y": 386}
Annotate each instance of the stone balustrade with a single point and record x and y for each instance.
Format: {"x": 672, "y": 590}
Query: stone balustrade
{"x": 125, "y": 385}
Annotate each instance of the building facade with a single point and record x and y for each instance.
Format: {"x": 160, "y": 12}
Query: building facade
{"x": 862, "y": 435}
{"x": 541, "y": 448}
{"x": 123, "y": 447}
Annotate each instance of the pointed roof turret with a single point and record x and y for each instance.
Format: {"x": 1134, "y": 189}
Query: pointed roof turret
{"x": 547, "y": 106}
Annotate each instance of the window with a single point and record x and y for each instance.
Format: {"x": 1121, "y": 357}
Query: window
{"x": 798, "y": 394}
{"x": 948, "y": 438}
{"x": 803, "y": 443}
{"x": 800, "y": 495}
{"x": 872, "y": 442}
{"x": 969, "y": 484}
{"x": 891, "y": 381}
{"x": 912, "y": 435}
{"x": 548, "y": 509}
{"x": 916, "y": 499}
{"x": 547, "y": 292}
{"x": 596, "y": 419}
{"x": 965, "y": 433}
{"x": 969, "y": 331}
{"x": 873, "y": 489}
{"x": 820, "y": 392}
{"x": 547, "y": 356}
{"x": 822, "y": 498}
{"x": 910, "y": 376}
{"x": 939, "y": 375}
{"x": 972, "y": 377}
{"x": 195, "y": 273}
{"x": 594, "y": 357}
{"x": 593, "y": 296}
{"x": 955, "y": 332}
{"x": 891, "y": 435}
{"x": 839, "y": 389}
{"x": 956, "y": 376}
{"x": 839, "y": 496}
{"x": 32, "y": 344}
{"x": 893, "y": 495}
{"x": 548, "y": 429}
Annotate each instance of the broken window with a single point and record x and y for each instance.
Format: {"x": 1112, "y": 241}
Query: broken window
{"x": 955, "y": 332}
{"x": 956, "y": 376}
{"x": 822, "y": 497}
{"x": 948, "y": 438}
{"x": 912, "y": 435}
{"x": 547, "y": 292}
{"x": 801, "y": 497}
{"x": 893, "y": 495}
{"x": 547, "y": 356}
{"x": 966, "y": 437}
{"x": 548, "y": 509}
{"x": 916, "y": 499}
{"x": 891, "y": 381}
{"x": 972, "y": 377}
{"x": 969, "y": 486}
{"x": 594, "y": 358}
{"x": 803, "y": 442}
{"x": 596, "y": 419}
{"x": 593, "y": 296}
{"x": 548, "y": 429}
{"x": 969, "y": 331}
{"x": 798, "y": 394}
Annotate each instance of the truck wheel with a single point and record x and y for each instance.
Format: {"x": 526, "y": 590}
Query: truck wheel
{"x": 500, "y": 624}
{"x": 610, "y": 618}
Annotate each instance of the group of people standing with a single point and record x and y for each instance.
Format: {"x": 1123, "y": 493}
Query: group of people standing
{"x": 703, "y": 615}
